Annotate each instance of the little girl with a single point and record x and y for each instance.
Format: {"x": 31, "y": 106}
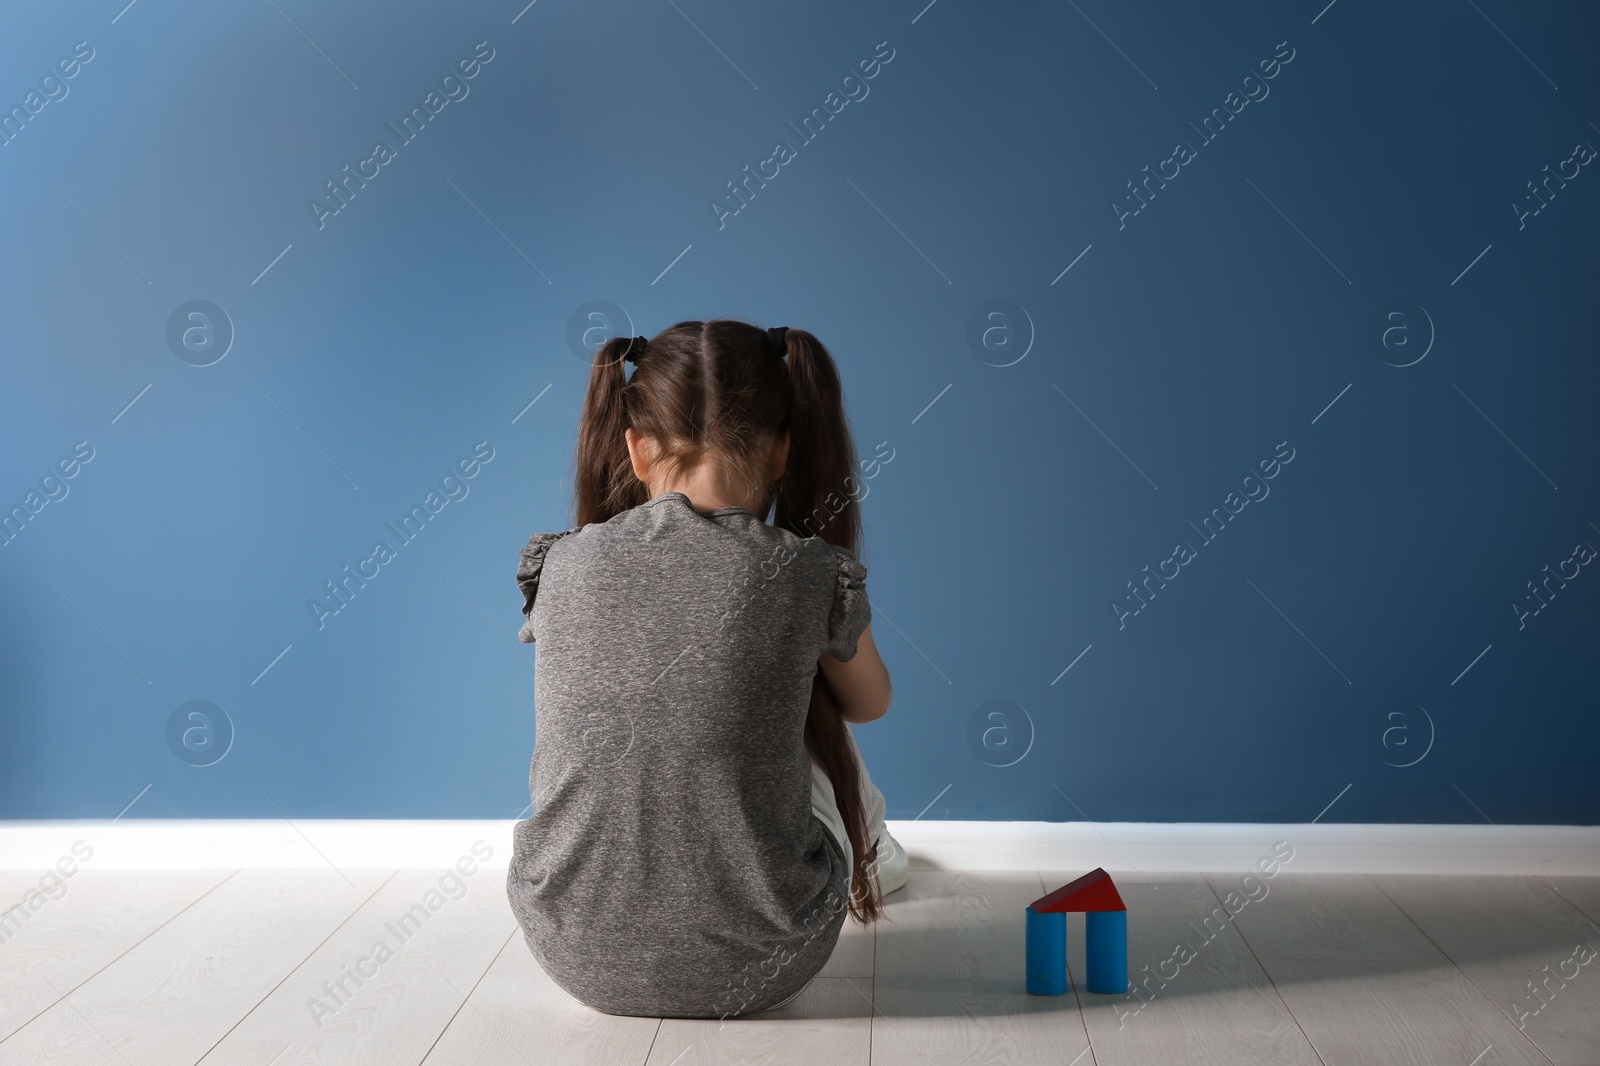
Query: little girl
{"x": 702, "y": 819}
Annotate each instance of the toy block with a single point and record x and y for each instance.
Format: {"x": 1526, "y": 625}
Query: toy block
{"x": 1105, "y": 948}
{"x": 1047, "y": 953}
{"x": 1094, "y": 891}
{"x": 1105, "y": 919}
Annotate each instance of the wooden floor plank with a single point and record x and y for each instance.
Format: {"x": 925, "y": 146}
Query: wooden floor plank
{"x": 89, "y": 921}
{"x": 518, "y": 1016}
{"x": 950, "y": 985}
{"x": 830, "y": 1022}
{"x": 1583, "y": 893}
{"x": 1323, "y": 916}
{"x": 261, "y": 967}
{"x": 1400, "y": 1013}
{"x": 381, "y": 989}
{"x": 177, "y": 992}
{"x": 852, "y": 956}
{"x": 1209, "y": 1002}
{"x": 1520, "y": 942}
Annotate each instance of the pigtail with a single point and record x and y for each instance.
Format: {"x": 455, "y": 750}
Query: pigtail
{"x": 603, "y": 477}
{"x": 817, "y": 497}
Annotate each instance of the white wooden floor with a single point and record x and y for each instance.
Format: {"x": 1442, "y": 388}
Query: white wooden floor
{"x": 178, "y": 967}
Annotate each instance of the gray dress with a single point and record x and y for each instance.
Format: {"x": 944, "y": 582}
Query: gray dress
{"x": 672, "y": 866}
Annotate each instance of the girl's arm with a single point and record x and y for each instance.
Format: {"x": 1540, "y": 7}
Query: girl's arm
{"x": 861, "y": 685}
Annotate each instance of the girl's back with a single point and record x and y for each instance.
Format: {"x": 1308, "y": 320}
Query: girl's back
{"x": 672, "y": 866}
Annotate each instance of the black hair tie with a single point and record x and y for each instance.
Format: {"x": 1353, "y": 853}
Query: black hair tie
{"x": 635, "y": 350}
{"x": 776, "y": 337}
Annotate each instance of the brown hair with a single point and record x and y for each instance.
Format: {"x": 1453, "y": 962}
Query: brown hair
{"x": 720, "y": 388}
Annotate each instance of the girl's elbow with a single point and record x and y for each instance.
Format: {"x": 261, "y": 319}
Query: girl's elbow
{"x": 877, "y": 709}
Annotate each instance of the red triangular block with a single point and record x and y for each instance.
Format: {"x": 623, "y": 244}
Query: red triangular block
{"x": 1094, "y": 891}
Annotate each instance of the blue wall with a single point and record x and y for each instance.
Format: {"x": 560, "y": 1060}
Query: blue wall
{"x": 1339, "y": 284}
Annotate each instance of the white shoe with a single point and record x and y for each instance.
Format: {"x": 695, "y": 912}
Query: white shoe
{"x": 892, "y": 864}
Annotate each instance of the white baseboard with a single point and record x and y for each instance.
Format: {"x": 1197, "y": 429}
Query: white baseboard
{"x": 1157, "y": 848}
{"x": 1126, "y": 849}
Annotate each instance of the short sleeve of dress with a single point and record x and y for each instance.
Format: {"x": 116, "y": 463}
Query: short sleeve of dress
{"x": 851, "y": 612}
{"x": 529, "y": 569}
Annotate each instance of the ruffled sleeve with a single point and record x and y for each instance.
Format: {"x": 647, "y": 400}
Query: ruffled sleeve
{"x": 528, "y": 571}
{"x": 851, "y": 612}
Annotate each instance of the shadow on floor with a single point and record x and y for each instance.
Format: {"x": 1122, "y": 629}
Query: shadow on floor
{"x": 1221, "y": 964}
